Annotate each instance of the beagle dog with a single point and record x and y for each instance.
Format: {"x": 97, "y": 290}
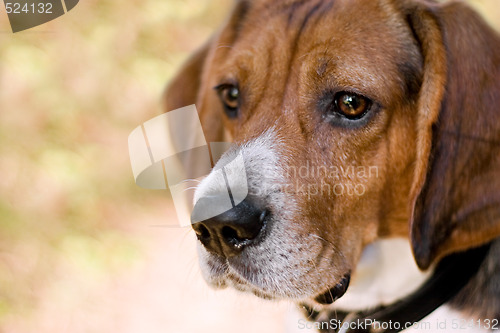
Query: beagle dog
{"x": 358, "y": 121}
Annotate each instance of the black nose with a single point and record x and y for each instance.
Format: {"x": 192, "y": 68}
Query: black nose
{"x": 227, "y": 234}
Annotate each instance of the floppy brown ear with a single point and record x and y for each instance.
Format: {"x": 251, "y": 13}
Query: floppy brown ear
{"x": 183, "y": 89}
{"x": 455, "y": 196}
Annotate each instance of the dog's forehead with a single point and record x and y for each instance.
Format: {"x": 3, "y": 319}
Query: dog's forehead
{"x": 363, "y": 43}
{"x": 321, "y": 19}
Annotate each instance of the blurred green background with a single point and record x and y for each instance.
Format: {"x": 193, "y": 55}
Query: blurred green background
{"x": 80, "y": 250}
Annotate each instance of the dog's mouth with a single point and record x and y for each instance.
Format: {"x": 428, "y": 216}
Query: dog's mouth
{"x": 245, "y": 279}
{"x": 334, "y": 293}
{"x": 325, "y": 298}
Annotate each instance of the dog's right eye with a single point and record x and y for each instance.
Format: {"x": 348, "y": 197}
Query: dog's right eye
{"x": 229, "y": 95}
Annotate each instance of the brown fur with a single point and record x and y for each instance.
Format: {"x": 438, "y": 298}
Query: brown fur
{"x": 434, "y": 71}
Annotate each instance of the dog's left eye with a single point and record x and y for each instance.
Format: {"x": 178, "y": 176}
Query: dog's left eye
{"x": 230, "y": 97}
{"x": 351, "y": 105}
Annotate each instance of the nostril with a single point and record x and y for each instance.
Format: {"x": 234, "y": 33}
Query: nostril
{"x": 230, "y": 235}
{"x": 201, "y": 231}
{"x": 204, "y": 232}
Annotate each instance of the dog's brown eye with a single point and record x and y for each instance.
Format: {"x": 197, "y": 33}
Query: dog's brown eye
{"x": 230, "y": 97}
{"x": 351, "y": 106}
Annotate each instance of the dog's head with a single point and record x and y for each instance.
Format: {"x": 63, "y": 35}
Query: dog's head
{"x": 355, "y": 120}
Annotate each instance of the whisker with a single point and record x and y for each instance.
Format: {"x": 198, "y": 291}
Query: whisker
{"x": 189, "y": 188}
{"x": 191, "y": 180}
{"x": 324, "y": 240}
{"x": 224, "y": 47}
